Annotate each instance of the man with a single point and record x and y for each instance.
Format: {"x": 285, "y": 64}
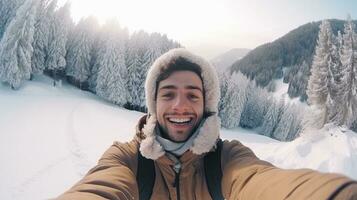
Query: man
{"x": 181, "y": 128}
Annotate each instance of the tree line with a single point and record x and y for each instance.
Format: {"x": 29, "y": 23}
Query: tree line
{"x": 245, "y": 104}
{"x": 38, "y": 36}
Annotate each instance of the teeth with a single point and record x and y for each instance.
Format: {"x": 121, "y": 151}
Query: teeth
{"x": 179, "y": 120}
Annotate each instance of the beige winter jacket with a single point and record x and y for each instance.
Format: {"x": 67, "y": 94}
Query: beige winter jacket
{"x": 245, "y": 177}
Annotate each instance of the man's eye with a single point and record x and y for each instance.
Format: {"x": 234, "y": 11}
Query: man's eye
{"x": 193, "y": 97}
{"x": 167, "y": 95}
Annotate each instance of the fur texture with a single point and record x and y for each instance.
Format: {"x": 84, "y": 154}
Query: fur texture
{"x": 209, "y": 132}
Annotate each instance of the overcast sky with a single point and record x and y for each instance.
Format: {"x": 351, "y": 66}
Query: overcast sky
{"x": 212, "y": 27}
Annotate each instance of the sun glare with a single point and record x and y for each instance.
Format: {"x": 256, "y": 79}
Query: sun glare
{"x": 176, "y": 18}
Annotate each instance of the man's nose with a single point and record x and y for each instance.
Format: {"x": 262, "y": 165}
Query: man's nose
{"x": 181, "y": 103}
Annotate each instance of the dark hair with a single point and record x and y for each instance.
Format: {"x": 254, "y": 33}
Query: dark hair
{"x": 179, "y": 64}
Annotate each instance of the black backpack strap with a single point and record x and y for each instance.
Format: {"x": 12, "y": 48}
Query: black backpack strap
{"x": 145, "y": 177}
{"x": 213, "y": 171}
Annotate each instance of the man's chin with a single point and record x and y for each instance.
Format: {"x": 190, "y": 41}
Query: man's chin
{"x": 181, "y": 136}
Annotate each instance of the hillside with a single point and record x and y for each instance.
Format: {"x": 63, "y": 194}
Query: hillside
{"x": 285, "y": 57}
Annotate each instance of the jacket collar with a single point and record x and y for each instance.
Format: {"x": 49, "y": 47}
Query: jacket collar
{"x": 203, "y": 143}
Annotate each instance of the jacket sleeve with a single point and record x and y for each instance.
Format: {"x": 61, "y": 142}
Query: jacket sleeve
{"x": 113, "y": 177}
{"x": 247, "y": 177}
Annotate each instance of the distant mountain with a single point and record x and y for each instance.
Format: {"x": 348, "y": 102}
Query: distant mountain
{"x": 285, "y": 57}
{"x": 225, "y": 60}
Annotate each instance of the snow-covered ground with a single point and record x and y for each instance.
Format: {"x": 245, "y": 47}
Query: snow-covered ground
{"x": 50, "y": 137}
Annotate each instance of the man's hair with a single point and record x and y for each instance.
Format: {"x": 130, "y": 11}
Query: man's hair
{"x": 179, "y": 64}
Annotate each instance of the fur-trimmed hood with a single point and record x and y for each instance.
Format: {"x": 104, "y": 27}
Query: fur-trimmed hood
{"x": 209, "y": 132}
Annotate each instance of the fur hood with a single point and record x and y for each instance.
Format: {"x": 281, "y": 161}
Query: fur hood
{"x": 209, "y": 132}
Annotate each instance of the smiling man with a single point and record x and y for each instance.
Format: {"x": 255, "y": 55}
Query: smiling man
{"x": 177, "y": 152}
{"x": 179, "y": 105}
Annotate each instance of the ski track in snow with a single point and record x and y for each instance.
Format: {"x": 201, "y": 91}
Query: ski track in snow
{"x": 78, "y": 156}
{"x": 20, "y": 190}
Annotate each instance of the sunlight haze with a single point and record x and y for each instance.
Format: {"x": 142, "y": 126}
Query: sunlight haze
{"x": 209, "y": 27}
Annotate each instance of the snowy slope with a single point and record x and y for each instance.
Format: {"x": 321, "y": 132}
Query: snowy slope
{"x": 50, "y": 137}
{"x": 281, "y": 92}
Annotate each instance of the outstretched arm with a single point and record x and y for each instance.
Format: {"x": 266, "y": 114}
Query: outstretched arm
{"x": 247, "y": 177}
{"x": 113, "y": 178}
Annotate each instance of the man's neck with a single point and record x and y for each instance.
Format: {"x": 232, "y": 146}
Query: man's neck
{"x": 176, "y": 148}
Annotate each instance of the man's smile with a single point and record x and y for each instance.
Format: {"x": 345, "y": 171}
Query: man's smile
{"x": 180, "y": 120}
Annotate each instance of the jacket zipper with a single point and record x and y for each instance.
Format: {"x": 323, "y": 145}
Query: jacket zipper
{"x": 176, "y": 184}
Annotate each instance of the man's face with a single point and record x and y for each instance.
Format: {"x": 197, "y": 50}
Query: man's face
{"x": 179, "y": 104}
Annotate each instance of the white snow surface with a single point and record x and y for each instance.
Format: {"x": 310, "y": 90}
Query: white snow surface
{"x": 51, "y": 136}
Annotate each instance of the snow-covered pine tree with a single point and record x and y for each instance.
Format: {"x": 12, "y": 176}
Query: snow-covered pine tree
{"x": 299, "y": 81}
{"x": 166, "y": 44}
{"x": 338, "y": 88}
{"x": 16, "y": 46}
{"x": 99, "y": 48}
{"x": 41, "y": 35}
{"x": 272, "y": 117}
{"x": 112, "y": 72}
{"x": 289, "y": 123}
{"x": 80, "y": 44}
{"x": 353, "y": 125}
{"x": 138, "y": 64}
{"x": 349, "y": 63}
{"x": 157, "y": 46}
{"x": 255, "y": 107}
{"x": 61, "y": 25}
{"x": 317, "y": 89}
{"x": 224, "y": 78}
{"x": 296, "y": 123}
{"x": 8, "y": 9}
{"x": 233, "y": 100}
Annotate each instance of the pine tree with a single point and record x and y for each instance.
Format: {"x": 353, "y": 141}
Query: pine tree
{"x": 223, "y": 86}
{"x": 80, "y": 44}
{"x": 41, "y": 35}
{"x": 298, "y": 83}
{"x": 317, "y": 89}
{"x": 233, "y": 100}
{"x": 296, "y": 124}
{"x": 338, "y": 88}
{"x": 16, "y": 46}
{"x": 62, "y": 24}
{"x": 289, "y": 123}
{"x": 272, "y": 118}
{"x": 255, "y": 107}
{"x": 8, "y": 9}
{"x": 349, "y": 63}
{"x": 111, "y": 79}
{"x": 99, "y": 48}
{"x": 138, "y": 65}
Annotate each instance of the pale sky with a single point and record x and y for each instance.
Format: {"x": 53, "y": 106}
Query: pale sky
{"x": 212, "y": 27}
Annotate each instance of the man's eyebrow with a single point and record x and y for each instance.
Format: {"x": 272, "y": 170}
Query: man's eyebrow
{"x": 190, "y": 87}
{"x": 168, "y": 87}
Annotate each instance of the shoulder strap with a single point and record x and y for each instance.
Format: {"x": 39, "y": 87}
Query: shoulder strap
{"x": 145, "y": 177}
{"x": 213, "y": 171}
